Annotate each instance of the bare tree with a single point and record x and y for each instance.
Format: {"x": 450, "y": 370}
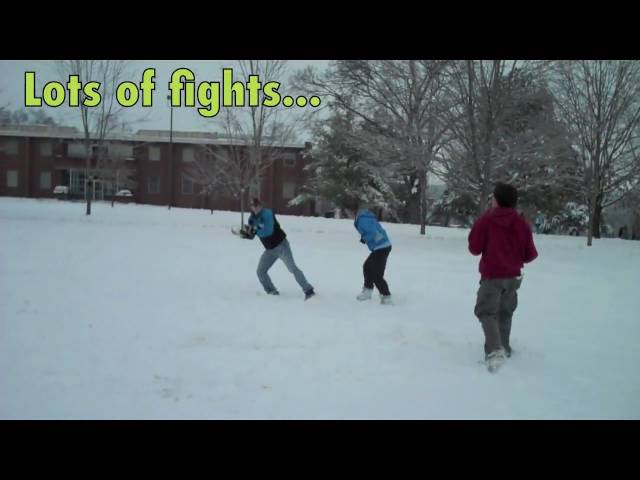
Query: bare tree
{"x": 600, "y": 103}
{"x": 502, "y": 128}
{"x": 253, "y": 138}
{"x": 477, "y": 90}
{"x": 97, "y": 122}
{"x": 400, "y": 102}
{"x": 116, "y": 170}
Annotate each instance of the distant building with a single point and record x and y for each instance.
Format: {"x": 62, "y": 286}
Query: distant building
{"x": 34, "y": 159}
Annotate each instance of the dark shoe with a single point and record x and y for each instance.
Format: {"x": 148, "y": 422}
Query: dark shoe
{"x": 308, "y": 294}
{"x": 273, "y": 292}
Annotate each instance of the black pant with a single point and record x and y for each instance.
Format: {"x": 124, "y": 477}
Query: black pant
{"x": 373, "y": 269}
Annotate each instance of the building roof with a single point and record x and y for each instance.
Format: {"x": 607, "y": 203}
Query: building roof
{"x": 144, "y": 136}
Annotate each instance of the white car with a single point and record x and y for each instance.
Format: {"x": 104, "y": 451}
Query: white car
{"x": 124, "y": 193}
{"x": 61, "y": 189}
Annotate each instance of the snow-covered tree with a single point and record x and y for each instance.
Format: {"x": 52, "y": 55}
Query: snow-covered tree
{"x": 342, "y": 172}
{"x": 600, "y": 103}
{"x": 398, "y": 102}
{"x": 502, "y": 128}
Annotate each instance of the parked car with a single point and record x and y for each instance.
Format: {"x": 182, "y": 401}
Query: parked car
{"x": 61, "y": 192}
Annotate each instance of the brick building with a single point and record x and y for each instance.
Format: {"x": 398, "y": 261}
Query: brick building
{"x": 34, "y": 159}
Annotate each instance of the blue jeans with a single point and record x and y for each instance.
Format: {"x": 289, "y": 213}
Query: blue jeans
{"x": 269, "y": 257}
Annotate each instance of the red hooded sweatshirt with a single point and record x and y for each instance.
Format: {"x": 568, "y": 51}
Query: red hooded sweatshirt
{"x": 505, "y": 240}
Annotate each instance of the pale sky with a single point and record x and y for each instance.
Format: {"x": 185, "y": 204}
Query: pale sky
{"x": 184, "y": 118}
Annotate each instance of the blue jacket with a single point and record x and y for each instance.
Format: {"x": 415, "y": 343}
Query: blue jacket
{"x": 370, "y": 230}
{"x": 267, "y": 228}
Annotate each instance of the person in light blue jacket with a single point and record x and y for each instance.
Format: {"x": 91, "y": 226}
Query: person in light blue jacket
{"x": 375, "y": 237}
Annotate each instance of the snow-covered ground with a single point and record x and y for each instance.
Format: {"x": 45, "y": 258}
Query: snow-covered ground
{"x": 139, "y": 312}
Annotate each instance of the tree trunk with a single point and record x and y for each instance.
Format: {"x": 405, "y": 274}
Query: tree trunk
{"x": 482, "y": 201}
{"x": 592, "y": 204}
{"x": 597, "y": 217}
{"x": 241, "y": 209}
{"x": 423, "y": 202}
{"x": 413, "y": 209}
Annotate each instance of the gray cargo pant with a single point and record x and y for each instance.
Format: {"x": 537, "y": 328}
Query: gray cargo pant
{"x": 497, "y": 300}
{"x": 269, "y": 257}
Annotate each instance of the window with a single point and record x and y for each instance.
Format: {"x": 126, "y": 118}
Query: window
{"x": 289, "y": 159}
{"x": 154, "y": 153}
{"x": 121, "y": 150}
{"x": 153, "y": 184}
{"x": 188, "y": 154}
{"x": 288, "y": 190}
{"x": 45, "y": 180}
{"x": 77, "y": 181}
{"x": 187, "y": 185}
{"x": 98, "y": 150}
{"x": 46, "y": 149}
{"x": 12, "y": 178}
{"x": 76, "y": 150}
{"x": 11, "y": 147}
{"x": 204, "y": 155}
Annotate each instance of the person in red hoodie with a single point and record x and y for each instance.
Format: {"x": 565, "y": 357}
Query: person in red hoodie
{"x": 505, "y": 240}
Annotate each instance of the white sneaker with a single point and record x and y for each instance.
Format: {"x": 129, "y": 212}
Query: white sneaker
{"x": 386, "y": 300}
{"x": 495, "y": 360}
{"x": 365, "y": 294}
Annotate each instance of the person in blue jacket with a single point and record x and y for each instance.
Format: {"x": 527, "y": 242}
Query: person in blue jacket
{"x": 376, "y": 238}
{"x": 263, "y": 223}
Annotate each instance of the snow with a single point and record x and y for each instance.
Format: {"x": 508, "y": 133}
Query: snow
{"x": 140, "y": 312}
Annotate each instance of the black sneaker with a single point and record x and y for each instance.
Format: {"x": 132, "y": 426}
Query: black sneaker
{"x": 273, "y": 292}
{"x": 308, "y": 294}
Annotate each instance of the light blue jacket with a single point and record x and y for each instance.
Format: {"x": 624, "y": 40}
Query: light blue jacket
{"x": 370, "y": 230}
